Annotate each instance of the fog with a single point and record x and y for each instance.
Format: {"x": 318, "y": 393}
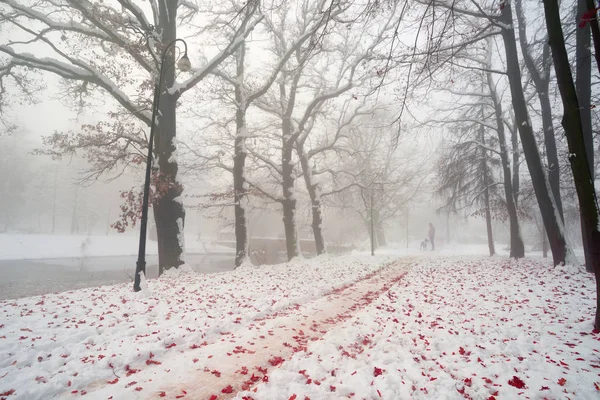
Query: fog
{"x": 283, "y": 136}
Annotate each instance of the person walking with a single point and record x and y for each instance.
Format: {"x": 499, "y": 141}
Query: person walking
{"x": 431, "y": 235}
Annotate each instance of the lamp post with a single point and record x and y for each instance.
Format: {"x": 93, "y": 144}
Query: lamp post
{"x": 184, "y": 65}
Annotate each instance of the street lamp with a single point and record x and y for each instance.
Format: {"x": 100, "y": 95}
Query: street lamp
{"x": 184, "y": 65}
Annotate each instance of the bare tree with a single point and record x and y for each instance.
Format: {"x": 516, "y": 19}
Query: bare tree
{"x": 93, "y": 46}
{"x": 572, "y": 123}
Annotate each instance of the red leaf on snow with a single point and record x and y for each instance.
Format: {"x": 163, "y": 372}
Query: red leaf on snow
{"x": 130, "y": 384}
{"x": 292, "y": 397}
{"x": 8, "y": 392}
{"x": 468, "y": 382}
{"x": 162, "y": 394}
{"x": 516, "y": 382}
{"x": 148, "y": 362}
{"x": 227, "y": 389}
{"x": 461, "y": 351}
{"x": 110, "y": 382}
{"x": 171, "y": 345}
{"x": 544, "y": 388}
{"x": 138, "y": 389}
{"x": 378, "y": 392}
{"x": 377, "y": 371}
{"x": 216, "y": 373}
{"x": 332, "y": 388}
{"x": 276, "y": 361}
{"x": 213, "y": 397}
{"x": 597, "y": 386}
{"x": 562, "y": 381}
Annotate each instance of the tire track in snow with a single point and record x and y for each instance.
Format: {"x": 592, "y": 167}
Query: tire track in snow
{"x": 242, "y": 359}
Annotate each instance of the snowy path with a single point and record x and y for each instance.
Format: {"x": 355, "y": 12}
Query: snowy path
{"x": 266, "y": 343}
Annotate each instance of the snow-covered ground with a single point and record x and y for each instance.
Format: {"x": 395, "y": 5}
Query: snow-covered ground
{"x": 39, "y": 246}
{"x": 423, "y": 327}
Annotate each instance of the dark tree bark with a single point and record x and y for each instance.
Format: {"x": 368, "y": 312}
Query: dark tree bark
{"x": 168, "y": 210}
{"x": 239, "y": 163}
{"x": 315, "y": 200}
{"x": 584, "y": 183}
{"x": 287, "y": 174}
{"x": 517, "y": 249}
{"x": 543, "y": 193}
{"x": 583, "y": 84}
{"x": 516, "y": 164}
{"x": 541, "y": 81}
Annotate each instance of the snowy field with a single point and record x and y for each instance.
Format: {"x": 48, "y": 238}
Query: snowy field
{"x": 38, "y": 246}
{"x": 411, "y": 327}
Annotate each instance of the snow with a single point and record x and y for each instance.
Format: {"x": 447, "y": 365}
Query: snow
{"x": 102, "y": 339}
{"x": 36, "y": 246}
{"x": 425, "y": 326}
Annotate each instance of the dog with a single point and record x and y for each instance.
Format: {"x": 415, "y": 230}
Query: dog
{"x": 424, "y": 244}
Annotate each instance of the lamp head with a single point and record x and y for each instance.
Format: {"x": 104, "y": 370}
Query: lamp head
{"x": 184, "y": 63}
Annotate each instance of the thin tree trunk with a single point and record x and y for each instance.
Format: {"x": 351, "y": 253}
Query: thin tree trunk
{"x": 239, "y": 162}
{"x": 516, "y": 164}
{"x": 583, "y": 84}
{"x": 541, "y": 82}
{"x": 584, "y": 183}
{"x": 486, "y": 192}
{"x": 539, "y": 180}
{"x": 289, "y": 200}
{"x": 315, "y": 200}
{"x": 168, "y": 209}
{"x": 517, "y": 249}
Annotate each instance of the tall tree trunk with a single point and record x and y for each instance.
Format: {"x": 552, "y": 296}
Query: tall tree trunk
{"x": 289, "y": 199}
{"x": 168, "y": 209}
{"x": 239, "y": 162}
{"x": 541, "y": 82}
{"x": 583, "y": 84}
{"x": 486, "y": 192}
{"x": 584, "y": 183}
{"x": 315, "y": 200}
{"x": 516, "y": 164}
{"x": 517, "y": 249}
{"x": 543, "y": 193}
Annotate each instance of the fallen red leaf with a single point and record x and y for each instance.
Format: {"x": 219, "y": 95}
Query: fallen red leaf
{"x": 516, "y": 382}
{"x": 227, "y": 389}
{"x": 562, "y": 381}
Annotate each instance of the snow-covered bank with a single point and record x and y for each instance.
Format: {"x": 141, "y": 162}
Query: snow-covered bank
{"x": 38, "y": 246}
{"x": 73, "y": 342}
